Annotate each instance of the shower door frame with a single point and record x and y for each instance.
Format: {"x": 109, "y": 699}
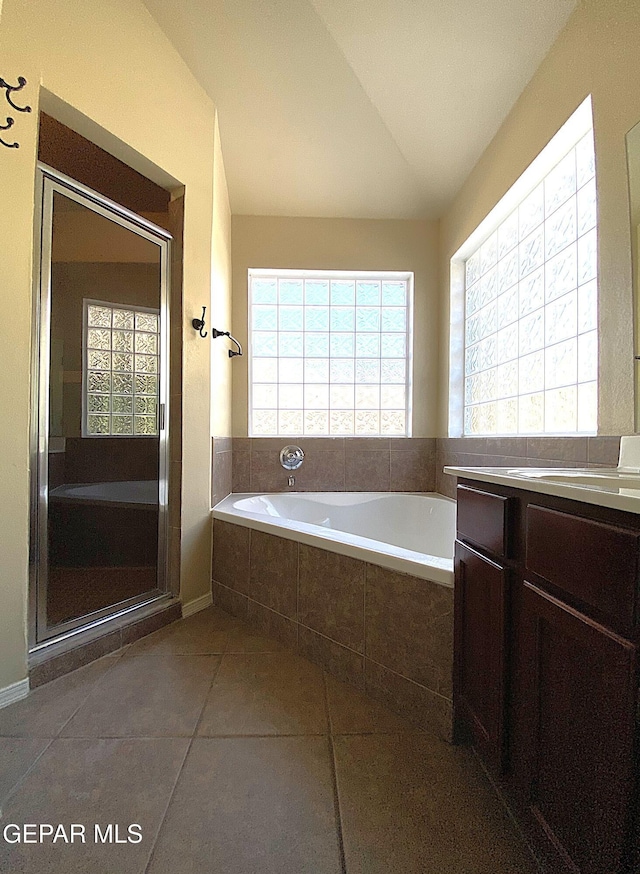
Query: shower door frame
{"x": 48, "y": 182}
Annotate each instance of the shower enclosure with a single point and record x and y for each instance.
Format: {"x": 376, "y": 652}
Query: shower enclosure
{"x": 99, "y": 411}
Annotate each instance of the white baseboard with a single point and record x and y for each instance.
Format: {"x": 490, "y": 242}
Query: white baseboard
{"x": 197, "y": 604}
{"x": 14, "y": 692}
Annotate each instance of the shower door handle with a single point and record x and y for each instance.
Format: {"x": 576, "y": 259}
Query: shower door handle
{"x": 161, "y": 423}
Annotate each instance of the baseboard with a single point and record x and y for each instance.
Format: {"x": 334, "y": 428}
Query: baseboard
{"x": 197, "y": 604}
{"x": 14, "y": 692}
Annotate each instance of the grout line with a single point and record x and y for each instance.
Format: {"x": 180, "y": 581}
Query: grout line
{"x": 259, "y": 736}
{"x": 408, "y": 679}
{"x": 166, "y": 809}
{"x": 97, "y": 682}
{"x": 204, "y": 703}
{"x": 181, "y": 769}
{"x": 334, "y": 780}
{"x": 297, "y": 619}
{"x": 169, "y": 654}
{"x": 152, "y": 737}
{"x": 24, "y": 776}
{"x": 364, "y": 624}
{"x": 331, "y": 640}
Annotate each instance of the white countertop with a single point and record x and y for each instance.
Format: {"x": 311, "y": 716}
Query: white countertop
{"x": 532, "y": 480}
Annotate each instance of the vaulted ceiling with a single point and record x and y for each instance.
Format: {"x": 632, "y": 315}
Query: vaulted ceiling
{"x": 358, "y": 108}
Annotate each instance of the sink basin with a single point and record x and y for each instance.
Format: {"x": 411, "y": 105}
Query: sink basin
{"x": 602, "y": 477}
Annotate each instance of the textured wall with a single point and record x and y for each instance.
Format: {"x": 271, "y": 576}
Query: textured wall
{"x": 597, "y": 54}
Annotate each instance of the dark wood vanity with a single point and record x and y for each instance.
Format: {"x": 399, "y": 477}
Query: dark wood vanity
{"x": 546, "y": 668}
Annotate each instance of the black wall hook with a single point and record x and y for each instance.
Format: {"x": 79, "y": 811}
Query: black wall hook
{"x": 8, "y": 90}
{"x": 6, "y": 127}
{"x": 198, "y": 324}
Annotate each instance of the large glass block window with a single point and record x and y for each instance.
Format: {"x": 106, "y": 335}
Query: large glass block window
{"x": 330, "y": 353}
{"x": 531, "y": 348}
{"x": 121, "y": 348}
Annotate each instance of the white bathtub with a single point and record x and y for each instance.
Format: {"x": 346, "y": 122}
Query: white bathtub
{"x": 139, "y": 492}
{"x": 411, "y": 533}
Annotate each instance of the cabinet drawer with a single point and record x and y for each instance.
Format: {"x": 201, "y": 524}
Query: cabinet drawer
{"x": 595, "y": 562}
{"x": 483, "y": 520}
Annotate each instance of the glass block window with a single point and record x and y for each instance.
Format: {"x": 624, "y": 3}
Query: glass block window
{"x": 121, "y": 353}
{"x": 530, "y": 345}
{"x": 330, "y": 353}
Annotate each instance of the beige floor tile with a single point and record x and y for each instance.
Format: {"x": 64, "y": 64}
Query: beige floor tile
{"x": 88, "y": 782}
{"x": 149, "y": 696}
{"x": 17, "y": 755}
{"x": 244, "y": 639}
{"x": 351, "y": 712}
{"x": 251, "y": 806}
{"x": 410, "y": 804}
{"x": 45, "y": 711}
{"x": 265, "y": 694}
{"x": 204, "y": 633}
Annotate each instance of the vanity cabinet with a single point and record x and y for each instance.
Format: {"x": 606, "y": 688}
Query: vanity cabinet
{"x": 482, "y": 584}
{"x": 546, "y": 669}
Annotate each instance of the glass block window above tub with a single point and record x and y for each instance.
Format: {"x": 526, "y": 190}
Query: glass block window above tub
{"x": 329, "y": 353}
{"x": 530, "y": 320}
{"x": 121, "y": 355}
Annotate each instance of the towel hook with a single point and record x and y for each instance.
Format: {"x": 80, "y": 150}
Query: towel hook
{"x": 198, "y": 324}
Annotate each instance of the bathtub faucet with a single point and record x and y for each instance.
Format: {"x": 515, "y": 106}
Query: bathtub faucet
{"x": 291, "y": 481}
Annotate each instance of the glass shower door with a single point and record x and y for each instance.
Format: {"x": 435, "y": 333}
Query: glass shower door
{"x": 101, "y": 409}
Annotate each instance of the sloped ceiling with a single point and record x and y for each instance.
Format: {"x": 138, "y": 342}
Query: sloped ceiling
{"x": 358, "y": 108}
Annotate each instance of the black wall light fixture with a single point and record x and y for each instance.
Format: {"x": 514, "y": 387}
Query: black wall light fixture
{"x": 232, "y": 352}
{"x": 8, "y": 90}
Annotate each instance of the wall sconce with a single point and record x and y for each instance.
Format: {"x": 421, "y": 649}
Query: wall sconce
{"x": 232, "y": 352}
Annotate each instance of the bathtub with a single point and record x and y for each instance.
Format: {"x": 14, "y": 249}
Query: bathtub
{"x": 138, "y": 492}
{"x": 410, "y": 533}
{"x": 104, "y": 524}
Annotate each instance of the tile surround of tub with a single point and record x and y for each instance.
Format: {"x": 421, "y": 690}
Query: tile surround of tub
{"x": 221, "y": 468}
{"x": 273, "y": 577}
{"x": 381, "y": 631}
{"x": 332, "y": 464}
{"x": 231, "y": 556}
{"x": 409, "y": 628}
{"x": 521, "y": 452}
{"x": 331, "y": 591}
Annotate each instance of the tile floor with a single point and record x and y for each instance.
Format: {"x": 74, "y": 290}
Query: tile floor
{"x": 236, "y": 756}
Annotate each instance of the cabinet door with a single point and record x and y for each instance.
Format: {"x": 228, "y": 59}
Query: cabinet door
{"x": 578, "y": 712}
{"x": 480, "y": 658}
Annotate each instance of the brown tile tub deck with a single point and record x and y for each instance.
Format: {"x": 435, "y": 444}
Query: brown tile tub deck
{"x": 385, "y": 632}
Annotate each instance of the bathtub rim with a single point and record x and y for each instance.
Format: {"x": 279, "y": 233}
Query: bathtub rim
{"x": 422, "y": 565}
{"x": 65, "y": 494}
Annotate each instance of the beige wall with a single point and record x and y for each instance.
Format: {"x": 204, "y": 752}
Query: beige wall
{"x": 343, "y": 244}
{"x": 220, "y": 310}
{"x": 596, "y": 53}
{"x": 110, "y": 73}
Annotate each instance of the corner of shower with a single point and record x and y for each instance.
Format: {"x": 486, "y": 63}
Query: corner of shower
{"x": 99, "y": 532}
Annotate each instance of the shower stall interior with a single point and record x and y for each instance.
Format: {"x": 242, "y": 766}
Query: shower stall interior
{"x": 99, "y": 410}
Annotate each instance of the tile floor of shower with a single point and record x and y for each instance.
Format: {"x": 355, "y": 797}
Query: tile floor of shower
{"x": 237, "y": 756}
